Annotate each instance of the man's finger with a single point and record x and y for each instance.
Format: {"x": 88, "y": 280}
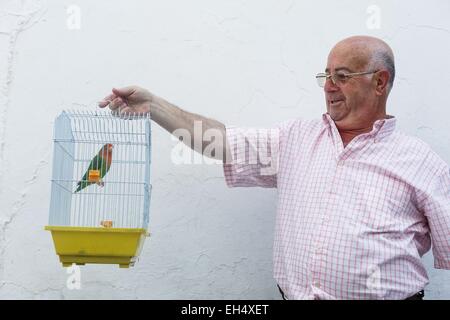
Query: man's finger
{"x": 116, "y": 103}
{"x": 110, "y": 97}
{"x": 103, "y": 103}
{"x": 124, "y": 92}
{"x": 106, "y": 100}
{"x": 125, "y": 110}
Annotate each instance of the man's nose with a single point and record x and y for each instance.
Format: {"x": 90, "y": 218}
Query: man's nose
{"x": 330, "y": 86}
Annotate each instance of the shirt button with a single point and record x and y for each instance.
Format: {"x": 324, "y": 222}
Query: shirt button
{"x": 317, "y": 284}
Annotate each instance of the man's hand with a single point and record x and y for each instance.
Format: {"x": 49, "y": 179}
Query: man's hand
{"x": 129, "y": 100}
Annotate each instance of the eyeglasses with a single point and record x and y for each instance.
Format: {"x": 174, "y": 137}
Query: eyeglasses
{"x": 339, "y": 77}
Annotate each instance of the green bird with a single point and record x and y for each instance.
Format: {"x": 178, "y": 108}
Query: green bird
{"x": 102, "y": 163}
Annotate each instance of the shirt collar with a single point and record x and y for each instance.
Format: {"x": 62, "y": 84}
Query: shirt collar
{"x": 381, "y": 128}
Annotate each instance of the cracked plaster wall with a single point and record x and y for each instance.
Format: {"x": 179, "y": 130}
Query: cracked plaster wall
{"x": 241, "y": 62}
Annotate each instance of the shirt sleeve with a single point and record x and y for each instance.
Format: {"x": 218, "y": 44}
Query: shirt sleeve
{"x": 435, "y": 204}
{"x": 254, "y": 155}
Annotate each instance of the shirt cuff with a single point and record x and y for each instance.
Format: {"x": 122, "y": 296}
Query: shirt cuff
{"x": 228, "y": 171}
{"x": 229, "y": 168}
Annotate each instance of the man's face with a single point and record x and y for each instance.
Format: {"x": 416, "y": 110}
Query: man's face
{"x": 352, "y": 102}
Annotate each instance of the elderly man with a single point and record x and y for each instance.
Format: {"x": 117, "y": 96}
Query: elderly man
{"x": 359, "y": 203}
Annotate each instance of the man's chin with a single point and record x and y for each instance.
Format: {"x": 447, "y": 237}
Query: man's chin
{"x": 335, "y": 116}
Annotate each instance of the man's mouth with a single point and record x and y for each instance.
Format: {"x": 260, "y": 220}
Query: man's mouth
{"x": 335, "y": 102}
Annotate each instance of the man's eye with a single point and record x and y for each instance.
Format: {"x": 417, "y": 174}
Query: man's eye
{"x": 341, "y": 76}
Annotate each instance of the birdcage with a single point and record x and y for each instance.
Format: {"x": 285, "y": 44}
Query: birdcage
{"x": 100, "y": 188}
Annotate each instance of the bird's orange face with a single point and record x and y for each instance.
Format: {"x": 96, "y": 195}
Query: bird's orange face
{"x": 107, "y": 150}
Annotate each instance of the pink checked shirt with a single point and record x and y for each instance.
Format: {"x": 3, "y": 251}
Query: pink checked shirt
{"x": 353, "y": 222}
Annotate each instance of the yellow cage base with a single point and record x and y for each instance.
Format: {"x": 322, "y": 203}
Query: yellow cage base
{"x": 82, "y": 245}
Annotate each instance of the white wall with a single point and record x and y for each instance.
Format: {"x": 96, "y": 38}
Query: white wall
{"x": 241, "y": 62}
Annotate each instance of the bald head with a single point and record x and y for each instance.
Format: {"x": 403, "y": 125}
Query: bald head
{"x": 368, "y": 52}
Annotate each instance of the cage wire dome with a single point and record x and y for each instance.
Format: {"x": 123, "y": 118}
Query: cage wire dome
{"x": 100, "y": 187}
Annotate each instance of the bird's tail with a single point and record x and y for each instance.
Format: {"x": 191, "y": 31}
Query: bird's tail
{"x": 79, "y": 187}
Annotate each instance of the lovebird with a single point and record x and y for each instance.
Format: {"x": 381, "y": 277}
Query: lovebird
{"x": 101, "y": 162}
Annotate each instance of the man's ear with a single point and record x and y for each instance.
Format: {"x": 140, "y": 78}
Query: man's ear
{"x": 382, "y": 81}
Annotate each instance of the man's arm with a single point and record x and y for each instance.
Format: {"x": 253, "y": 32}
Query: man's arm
{"x": 138, "y": 100}
{"x": 434, "y": 201}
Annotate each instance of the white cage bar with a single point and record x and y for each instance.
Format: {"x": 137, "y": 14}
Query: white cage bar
{"x": 125, "y": 197}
